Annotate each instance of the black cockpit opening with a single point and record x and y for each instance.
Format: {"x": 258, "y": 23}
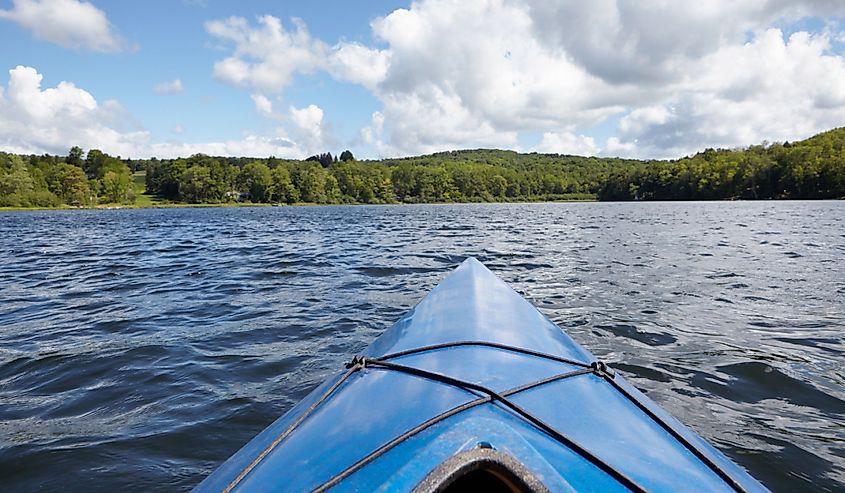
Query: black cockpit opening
{"x": 481, "y": 469}
{"x": 483, "y": 480}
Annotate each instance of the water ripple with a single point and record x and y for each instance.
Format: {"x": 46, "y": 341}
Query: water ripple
{"x": 140, "y": 348}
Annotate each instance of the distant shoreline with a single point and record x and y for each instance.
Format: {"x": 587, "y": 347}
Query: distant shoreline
{"x": 236, "y": 205}
{"x": 811, "y": 169}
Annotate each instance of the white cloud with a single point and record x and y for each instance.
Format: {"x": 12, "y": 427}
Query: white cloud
{"x": 642, "y": 42}
{"x": 263, "y": 105}
{"x": 356, "y": 63}
{"x": 468, "y": 74}
{"x": 768, "y": 89}
{"x": 67, "y": 23}
{"x": 650, "y": 42}
{"x": 308, "y": 119}
{"x": 265, "y": 57}
{"x": 567, "y": 142}
{"x": 439, "y": 115}
{"x": 250, "y": 145}
{"x": 35, "y": 120}
{"x": 171, "y": 87}
{"x": 454, "y": 74}
{"x": 473, "y": 74}
{"x": 439, "y": 122}
{"x": 448, "y": 74}
{"x": 371, "y": 135}
{"x": 309, "y": 127}
{"x": 617, "y": 148}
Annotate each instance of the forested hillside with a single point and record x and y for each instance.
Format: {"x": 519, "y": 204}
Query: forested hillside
{"x": 810, "y": 169}
{"x": 813, "y": 168}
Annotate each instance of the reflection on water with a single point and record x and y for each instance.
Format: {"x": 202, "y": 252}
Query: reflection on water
{"x": 140, "y": 348}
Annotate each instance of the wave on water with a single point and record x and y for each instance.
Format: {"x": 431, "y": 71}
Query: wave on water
{"x": 141, "y": 348}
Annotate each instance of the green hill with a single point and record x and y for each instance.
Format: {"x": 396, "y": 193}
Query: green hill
{"x": 810, "y": 169}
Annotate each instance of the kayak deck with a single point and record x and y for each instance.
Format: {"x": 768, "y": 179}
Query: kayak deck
{"x": 474, "y": 378}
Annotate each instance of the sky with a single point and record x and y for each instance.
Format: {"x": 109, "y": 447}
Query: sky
{"x": 628, "y": 78}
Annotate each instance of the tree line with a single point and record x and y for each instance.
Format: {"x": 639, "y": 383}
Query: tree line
{"x": 813, "y": 168}
{"x": 810, "y": 169}
{"x": 461, "y": 176}
{"x": 78, "y": 179}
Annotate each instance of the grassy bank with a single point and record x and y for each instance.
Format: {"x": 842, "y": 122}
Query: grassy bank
{"x": 142, "y": 199}
{"x": 146, "y": 201}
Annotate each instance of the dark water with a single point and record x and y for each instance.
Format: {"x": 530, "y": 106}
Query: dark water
{"x": 140, "y": 348}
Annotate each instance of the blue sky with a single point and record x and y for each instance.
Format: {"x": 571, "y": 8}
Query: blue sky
{"x": 167, "y": 41}
{"x": 389, "y": 78}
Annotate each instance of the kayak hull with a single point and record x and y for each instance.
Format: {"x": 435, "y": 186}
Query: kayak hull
{"x": 375, "y": 428}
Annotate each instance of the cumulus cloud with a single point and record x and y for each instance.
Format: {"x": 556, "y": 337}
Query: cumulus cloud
{"x": 474, "y": 74}
{"x": 567, "y": 142}
{"x": 678, "y": 76}
{"x": 354, "y": 62}
{"x": 642, "y": 42}
{"x": 309, "y": 127}
{"x": 263, "y": 105}
{"x": 67, "y": 23}
{"x": 453, "y": 74}
{"x": 652, "y": 42}
{"x": 266, "y": 57}
{"x": 35, "y": 120}
{"x": 171, "y": 87}
{"x": 439, "y": 122}
{"x": 685, "y": 76}
{"x": 276, "y": 144}
{"x": 306, "y": 125}
{"x": 771, "y": 88}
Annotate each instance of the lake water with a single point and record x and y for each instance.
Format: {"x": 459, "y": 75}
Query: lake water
{"x": 140, "y": 348}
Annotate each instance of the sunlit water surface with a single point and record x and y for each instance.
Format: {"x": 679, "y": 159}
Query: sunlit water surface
{"x": 140, "y": 348}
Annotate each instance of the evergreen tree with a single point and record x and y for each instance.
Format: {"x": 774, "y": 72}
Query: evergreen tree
{"x": 74, "y": 156}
